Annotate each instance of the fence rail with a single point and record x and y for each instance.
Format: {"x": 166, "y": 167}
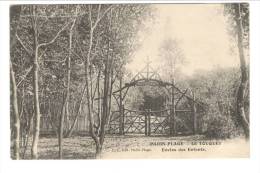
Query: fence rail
{"x": 49, "y": 124}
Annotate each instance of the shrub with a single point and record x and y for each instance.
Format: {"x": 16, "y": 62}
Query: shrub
{"x": 220, "y": 127}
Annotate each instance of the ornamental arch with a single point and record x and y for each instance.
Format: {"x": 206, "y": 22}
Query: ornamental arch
{"x": 180, "y": 116}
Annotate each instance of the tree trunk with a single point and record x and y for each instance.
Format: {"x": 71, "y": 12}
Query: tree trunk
{"x": 244, "y": 76}
{"x": 61, "y": 123}
{"x": 106, "y": 94}
{"x": 99, "y": 101}
{"x": 110, "y": 92}
{"x": 97, "y": 139}
{"x": 15, "y": 13}
{"x": 105, "y": 97}
{"x": 36, "y": 107}
{"x": 28, "y": 134}
{"x": 37, "y": 115}
{"x": 16, "y": 116}
{"x": 89, "y": 107}
{"x": 98, "y": 150}
{"x": 67, "y": 95}
{"x": 70, "y": 131}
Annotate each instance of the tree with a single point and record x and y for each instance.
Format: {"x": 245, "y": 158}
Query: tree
{"x": 15, "y": 14}
{"x": 16, "y": 115}
{"x": 239, "y": 13}
{"x": 65, "y": 106}
{"x": 93, "y": 25}
{"x": 106, "y": 32}
{"x": 172, "y": 55}
{"x": 76, "y": 75}
{"x": 218, "y": 89}
{"x": 34, "y": 26}
{"x": 244, "y": 75}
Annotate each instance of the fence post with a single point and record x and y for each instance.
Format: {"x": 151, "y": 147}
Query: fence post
{"x": 149, "y": 123}
{"x": 145, "y": 123}
{"x": 121, "y": 110}
{"x": 194, "y": 114}
{"x": 172, "y": 116}
{"x": 123, "y": 120}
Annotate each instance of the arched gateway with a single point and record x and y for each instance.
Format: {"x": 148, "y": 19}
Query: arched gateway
{"x": 176, "y": 119}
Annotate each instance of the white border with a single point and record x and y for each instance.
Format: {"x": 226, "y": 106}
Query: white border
{"x": 251, "y": 165}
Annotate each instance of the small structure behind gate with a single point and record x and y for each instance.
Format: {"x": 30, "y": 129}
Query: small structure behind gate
{"x": 172, "y": 121}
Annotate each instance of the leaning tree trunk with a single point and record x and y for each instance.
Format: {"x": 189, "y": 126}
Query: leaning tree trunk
{"x": 244, "y": 76}
{"x": 16, "y": 116}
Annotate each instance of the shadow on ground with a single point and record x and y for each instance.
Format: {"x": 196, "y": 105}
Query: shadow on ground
{"x": 80, "y": 147}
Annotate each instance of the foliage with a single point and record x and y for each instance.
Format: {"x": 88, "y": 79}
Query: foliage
{"x": 218, "y": 90}
{"x": 172, "y": 56}
{"x": 93, "y": 53}
{"x": 239, "y": 13}
{"x": 230, "y": 13}
{"x": 218, "y": 126}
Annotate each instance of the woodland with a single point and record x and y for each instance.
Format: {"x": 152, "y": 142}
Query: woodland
{"x": 67, "y": 60}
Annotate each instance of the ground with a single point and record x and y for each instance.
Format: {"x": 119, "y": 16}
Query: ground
{"x": 79, "y": 147}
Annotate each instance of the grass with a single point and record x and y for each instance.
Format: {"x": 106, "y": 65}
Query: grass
{"x": 83, "y": 147}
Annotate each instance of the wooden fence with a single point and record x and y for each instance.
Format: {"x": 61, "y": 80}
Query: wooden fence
{"x": 49, "y": 124}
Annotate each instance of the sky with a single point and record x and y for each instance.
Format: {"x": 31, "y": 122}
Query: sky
{"x": 201, "y": 31}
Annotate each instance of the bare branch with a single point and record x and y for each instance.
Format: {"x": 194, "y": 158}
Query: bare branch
{"x": 99, "y": 8}
{"x": 24, "y": 76}
{"x": 21, "y": 42}
{"x": 76, "y": 54}
{"x": 54, "y": 38}
{"x": 45, "y": 16}
{"x": 90, "y": 16}
{"x": 57, "y": 61}
{"x": 43, "y": 53}
{"x": 99, "y": 18}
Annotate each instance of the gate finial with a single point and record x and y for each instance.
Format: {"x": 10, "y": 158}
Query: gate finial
{"x": 148, "y": 62}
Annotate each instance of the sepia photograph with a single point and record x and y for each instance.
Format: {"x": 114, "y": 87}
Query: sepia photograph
{"x": 129, "y": 81}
